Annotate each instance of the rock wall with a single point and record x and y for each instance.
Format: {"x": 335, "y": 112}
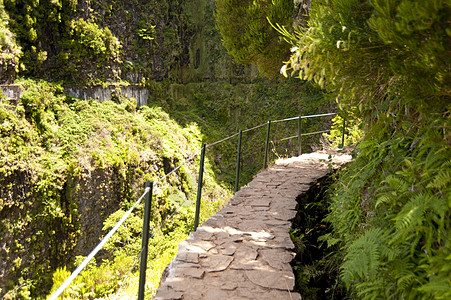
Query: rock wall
{"x": 101, "y": 94}
{"x": 12, "y": 91}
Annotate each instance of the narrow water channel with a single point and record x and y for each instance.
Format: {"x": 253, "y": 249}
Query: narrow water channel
{"x": 316, "y": 266}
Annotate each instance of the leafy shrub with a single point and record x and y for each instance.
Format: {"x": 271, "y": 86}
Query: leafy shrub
{"x": 391, "y": 208}
{"x": 398, "y": 190}
{"x": 87, "y": 50}
{"x": 248, "y": 36}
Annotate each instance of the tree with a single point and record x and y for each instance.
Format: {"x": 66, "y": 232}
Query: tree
{"x": 248, "y": 36}
{"x": 364, "y": 49}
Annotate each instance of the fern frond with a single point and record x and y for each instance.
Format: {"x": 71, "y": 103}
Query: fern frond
{"x": 396, "y": 188}
{"x": 385, "y": 198}
{"x": 397, "y": 183}
{"x": 406, "y": 281}
{"x": 411, "y": 213}
{"x": 442, "y": 179}
{"x": 439, "y": 289}
{"x": 363, "y": 258}
{"x": 435, "y": 160}
{"x": 373, "y": 289}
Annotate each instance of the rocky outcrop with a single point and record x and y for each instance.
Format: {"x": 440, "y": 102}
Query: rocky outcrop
{"x": 8, "y": 67}
{"x": 33, "y": 239}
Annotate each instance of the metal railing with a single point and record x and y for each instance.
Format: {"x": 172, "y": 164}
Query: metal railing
{"x": 148, "y": 191}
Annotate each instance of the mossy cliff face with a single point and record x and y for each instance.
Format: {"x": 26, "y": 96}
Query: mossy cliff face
{"x": 135, "y": 41}
{"x": 9, "y": 50}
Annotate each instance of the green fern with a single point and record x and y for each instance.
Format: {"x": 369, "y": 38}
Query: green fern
{"x": 441, "y": 180}
{"x": 440, "y": 289}
{"x": 395, "y": 187}
{"x": 412, "y": 212}
{"x": 375, "y": 289}
{"x": 364, "y": 257}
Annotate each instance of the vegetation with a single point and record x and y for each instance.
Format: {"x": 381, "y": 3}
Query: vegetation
{"x": 247, "y": 34}
{"x": 222, "y": 109}
{"x": 79, "y": 41}
{"x": 87, "y": 51}
{"x": 58, "y": 153}
{"x": 388, "y": 65}
{"x": 36, "y": 24}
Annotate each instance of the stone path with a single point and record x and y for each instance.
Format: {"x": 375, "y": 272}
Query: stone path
{"x": 244, "y": 251}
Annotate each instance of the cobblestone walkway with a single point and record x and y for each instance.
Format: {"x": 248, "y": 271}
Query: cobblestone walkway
{"x": 244, "y": 251}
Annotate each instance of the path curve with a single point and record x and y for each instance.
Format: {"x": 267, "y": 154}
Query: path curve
{"x": 244, "y": 251}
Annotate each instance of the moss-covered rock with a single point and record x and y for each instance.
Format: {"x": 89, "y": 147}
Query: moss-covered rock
{"x": 9, "y": 50}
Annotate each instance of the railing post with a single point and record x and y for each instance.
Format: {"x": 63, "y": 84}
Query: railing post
{"x": 199, "y": 186}
{"x": 343, "y": 135}
{"x": 145, "y": 240}
{"x": 238, "y": 159}
{"x": 300, "y": 133}
{"x": 267, "y": 145}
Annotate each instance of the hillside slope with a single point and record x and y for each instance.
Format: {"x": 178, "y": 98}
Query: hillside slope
{"x": 68, "y": 164}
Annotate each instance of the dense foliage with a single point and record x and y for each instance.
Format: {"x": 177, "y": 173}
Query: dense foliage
{"x": 388, "y": 64}
{"x": 247, "y": 34}
{"x": 363, "y": 50}
{"x": 36, "y": 25}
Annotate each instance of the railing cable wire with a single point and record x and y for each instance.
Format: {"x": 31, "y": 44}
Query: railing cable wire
{"x": 85, "y": 262}
{"x": 255, "y": 127}
{"x": 124, "y": 283}
{"x": 312, "y": 133}
{"x": 224, "y": 139}
{"x": 288, "y": 138}
{"x": 175, "y": 170}
{"x": 283, "y": 120}
{"x": 320, "y": 115}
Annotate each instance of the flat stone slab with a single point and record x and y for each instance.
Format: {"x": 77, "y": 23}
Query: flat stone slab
{"x": 272, "y": 279}
{"x": 245, "y": 250}
{"x": 261, "y": 203}
{"x": 216, "y": 263}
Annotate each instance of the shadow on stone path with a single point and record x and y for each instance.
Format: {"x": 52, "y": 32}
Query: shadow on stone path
{"x": 244, "y": 251}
